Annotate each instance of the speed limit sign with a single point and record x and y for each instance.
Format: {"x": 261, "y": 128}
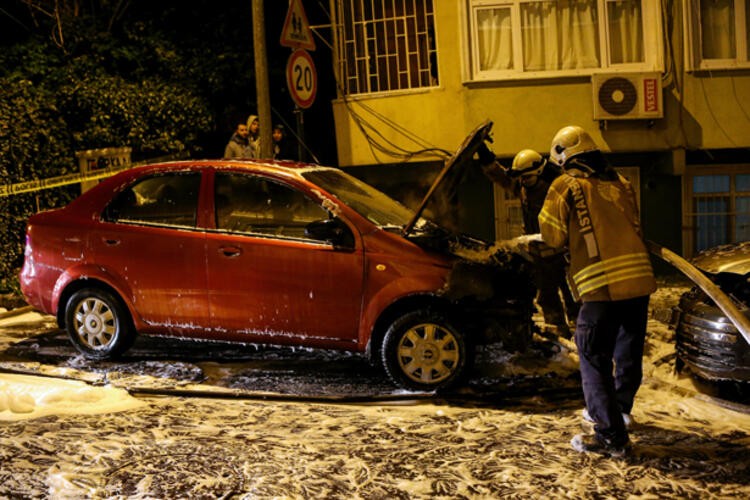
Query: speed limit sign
{"x": 301, "y": 78}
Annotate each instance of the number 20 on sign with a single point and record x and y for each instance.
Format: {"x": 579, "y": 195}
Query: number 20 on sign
{"x": 301, "y": 78}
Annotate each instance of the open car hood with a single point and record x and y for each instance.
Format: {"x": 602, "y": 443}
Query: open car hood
{"x": 732, "y": 258}
{"x": 451, "y": 174}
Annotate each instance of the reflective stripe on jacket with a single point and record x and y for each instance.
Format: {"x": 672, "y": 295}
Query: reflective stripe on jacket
{"x": 597, "y": 220}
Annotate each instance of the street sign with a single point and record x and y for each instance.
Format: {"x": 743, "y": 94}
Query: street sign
{"x": 296, "y": 32}
{"x": 301, "y": 78}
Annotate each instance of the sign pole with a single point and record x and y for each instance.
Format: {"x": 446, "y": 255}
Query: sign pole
{"x": 299, "y": 115}
{"x": 301, "y": 77}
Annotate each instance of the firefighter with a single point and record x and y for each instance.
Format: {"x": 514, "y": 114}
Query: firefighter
{"x": 535, "y": 175}
{"x": 591, "y": 210}
{"x": 529, "y": 178}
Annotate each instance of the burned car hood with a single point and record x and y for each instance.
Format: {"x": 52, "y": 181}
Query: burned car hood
{"x": 733, "y": 258}
{"x": 431, "y": 227}
{"x": 446, "y": 183}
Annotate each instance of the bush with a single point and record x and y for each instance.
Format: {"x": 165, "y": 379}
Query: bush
{"x": 151, "y": 116}
{"x": 34, "y": 144}
{"x": 111, "y": 76}
{"x": 42, "y": 125}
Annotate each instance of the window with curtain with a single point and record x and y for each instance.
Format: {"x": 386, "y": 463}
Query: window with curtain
{"x": 514, "y": 38}
{"x": 625, "y": 31}
{"x": 719, "y": 33}
{"x": 494, "y": 37}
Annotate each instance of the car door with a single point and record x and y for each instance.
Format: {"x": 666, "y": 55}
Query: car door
{"x": 267, "y": 281}
{"x": 149, "y": 241}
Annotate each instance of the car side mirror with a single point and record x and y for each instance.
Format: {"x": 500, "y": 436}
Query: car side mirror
{"x": 332, "y": 230}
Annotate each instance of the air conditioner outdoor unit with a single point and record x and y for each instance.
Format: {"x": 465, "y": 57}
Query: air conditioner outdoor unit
{"x": 627, "y": 96}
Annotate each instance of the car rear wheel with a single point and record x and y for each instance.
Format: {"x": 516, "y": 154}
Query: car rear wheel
{"x": 98, "y": 324}
{"x": 423, "y": 351}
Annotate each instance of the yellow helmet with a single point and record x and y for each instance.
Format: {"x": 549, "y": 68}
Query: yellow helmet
{"x": 568, "y": 142}
{"x": 527, "y": 162}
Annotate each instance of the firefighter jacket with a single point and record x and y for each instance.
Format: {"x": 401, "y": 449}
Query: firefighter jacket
{"x": 596, "y": 217}
{"x": 532, "y": 200}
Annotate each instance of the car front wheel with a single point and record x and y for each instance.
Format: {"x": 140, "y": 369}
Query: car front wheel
{"x": 98, "y": 324}
{"x": 423, "y": 351}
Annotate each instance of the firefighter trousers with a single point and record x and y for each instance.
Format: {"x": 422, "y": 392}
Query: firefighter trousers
{"x": 610, "y": 336}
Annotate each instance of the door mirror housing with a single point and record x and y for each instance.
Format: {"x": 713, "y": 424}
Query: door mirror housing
{"x": 331, "y": 230}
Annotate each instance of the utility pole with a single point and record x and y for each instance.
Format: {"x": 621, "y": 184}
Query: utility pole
{"x": 262, "y": 93}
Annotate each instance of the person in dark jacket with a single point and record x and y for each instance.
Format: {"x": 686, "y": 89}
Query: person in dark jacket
{"x": 283, "y": 148}
{"x": 591, "y": 210}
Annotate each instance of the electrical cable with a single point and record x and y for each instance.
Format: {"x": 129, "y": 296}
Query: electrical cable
{"x": 294, "y": 134}
{"x": 377, "y": 142}
{"x": 671, "y": 76}
{"x": 394, "y": 151}
{"x": 383, "y": 144}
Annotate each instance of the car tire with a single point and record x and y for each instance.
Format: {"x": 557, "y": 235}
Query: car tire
{"x": 98, "y": 324}
{"x": 422, "y": 350}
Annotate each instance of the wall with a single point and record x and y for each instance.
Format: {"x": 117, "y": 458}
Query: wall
{"x": 702, "y": 110}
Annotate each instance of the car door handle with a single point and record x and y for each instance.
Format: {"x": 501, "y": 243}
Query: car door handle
{"x": 230, "y": 251}
{"x": 111, "y": 241}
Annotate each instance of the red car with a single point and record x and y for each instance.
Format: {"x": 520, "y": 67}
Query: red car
{"x": 265, "y": 252}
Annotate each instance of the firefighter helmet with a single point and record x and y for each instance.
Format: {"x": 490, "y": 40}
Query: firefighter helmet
{"x": 568, "y": 142}
{"x": 526, "y": 163}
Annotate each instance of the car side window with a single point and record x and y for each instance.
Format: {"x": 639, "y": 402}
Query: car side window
{"x": 254, "y": 205}
{"x": 161, "y": 200}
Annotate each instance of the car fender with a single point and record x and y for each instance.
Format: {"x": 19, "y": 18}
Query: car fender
{"x": 429, "y": 286}
{"x": 84, "y": 272}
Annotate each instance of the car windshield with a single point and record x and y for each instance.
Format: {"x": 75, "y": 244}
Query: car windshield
{"x": 375, "y": 206}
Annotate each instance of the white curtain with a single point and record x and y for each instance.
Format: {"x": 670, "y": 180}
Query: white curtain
{"x": 563, "y": 34}
{"x": 625, "y": 31}
{"x": 560, "y": 34}
{"x": 495, "y": 39}
{"x": 717, "y": 29}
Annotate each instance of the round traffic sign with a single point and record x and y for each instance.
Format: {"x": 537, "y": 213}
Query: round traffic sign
{"x": 301, "y": 78}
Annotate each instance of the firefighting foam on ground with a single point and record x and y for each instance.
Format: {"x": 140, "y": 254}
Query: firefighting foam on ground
{"x": 254, "y": 421}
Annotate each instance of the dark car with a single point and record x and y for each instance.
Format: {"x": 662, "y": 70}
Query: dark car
{"x": 707, "y": 341}
{"x": 276, "y": 253}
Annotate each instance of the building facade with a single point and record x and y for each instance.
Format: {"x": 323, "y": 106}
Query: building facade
{"x": 663, "y": 86}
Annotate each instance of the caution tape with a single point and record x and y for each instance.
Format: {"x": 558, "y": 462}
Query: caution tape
{"x": 64, "y": 180}
{"x": 52, "y": 182}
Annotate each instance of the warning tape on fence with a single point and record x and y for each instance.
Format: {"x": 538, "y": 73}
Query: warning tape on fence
{"x": 64, "y": 180}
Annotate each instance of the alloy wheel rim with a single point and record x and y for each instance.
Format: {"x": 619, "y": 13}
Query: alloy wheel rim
{"x": 428, "y": 353}
{"x": 95, "y": 323}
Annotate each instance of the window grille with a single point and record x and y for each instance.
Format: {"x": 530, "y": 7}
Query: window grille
{"x": 718, "y": 209}
{"x": 386, "y": 45}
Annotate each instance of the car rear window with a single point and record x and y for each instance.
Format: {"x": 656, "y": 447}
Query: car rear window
{"x": 161, "y": 200}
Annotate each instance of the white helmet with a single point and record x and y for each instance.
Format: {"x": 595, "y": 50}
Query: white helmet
{"x": 568, "y": 142}
{"x": 527, "y": 162}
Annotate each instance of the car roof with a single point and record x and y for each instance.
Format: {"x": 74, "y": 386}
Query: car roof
{"x": 250, "y": 165}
